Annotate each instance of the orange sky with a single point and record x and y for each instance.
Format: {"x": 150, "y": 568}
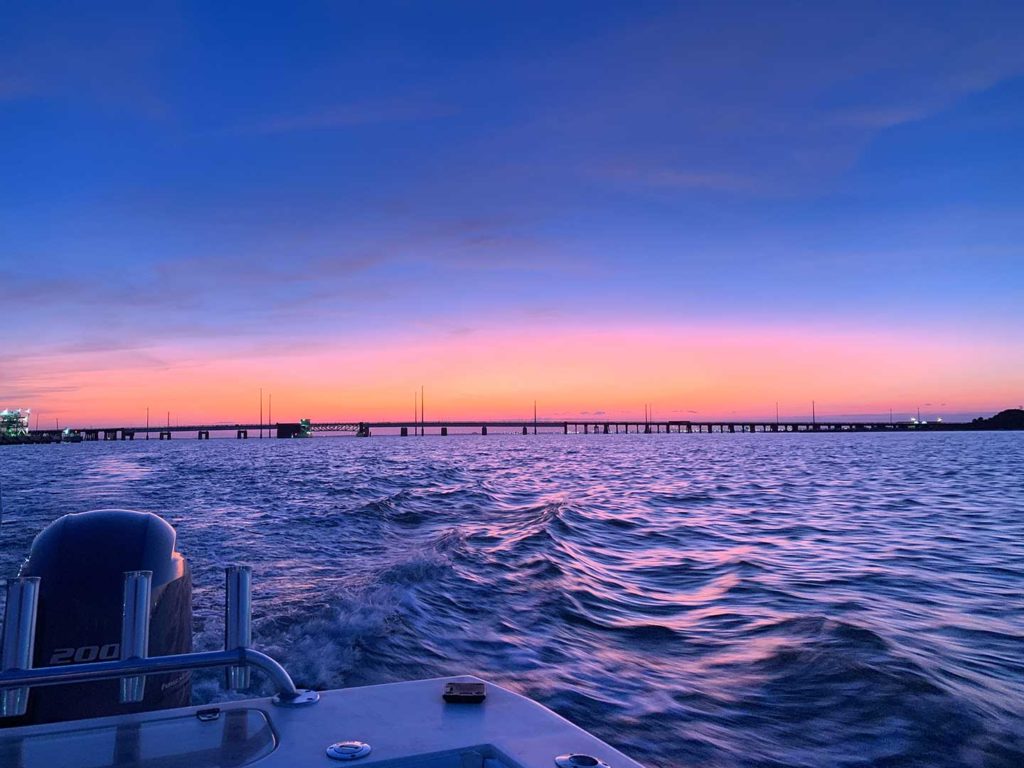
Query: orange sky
{"x": 683, "y": 372}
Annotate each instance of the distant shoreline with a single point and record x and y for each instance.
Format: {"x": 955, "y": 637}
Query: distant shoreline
{"x": 1007, "y": 420}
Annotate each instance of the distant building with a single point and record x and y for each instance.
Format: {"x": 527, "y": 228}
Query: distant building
{"x": 14, "y": 422}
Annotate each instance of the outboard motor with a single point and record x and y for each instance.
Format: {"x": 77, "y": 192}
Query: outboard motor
{"x": 81, "y": 560}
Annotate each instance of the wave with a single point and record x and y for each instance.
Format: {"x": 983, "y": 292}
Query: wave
{"x": 842, "y": 601}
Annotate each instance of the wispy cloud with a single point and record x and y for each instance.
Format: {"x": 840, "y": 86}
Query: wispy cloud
{"x": 681, "y": 178}
{"x": 274, "y": 290}
{"x": 348, "y": 116}
{"x": 104, "y": 64}
{"x": 14, "y": 87}
{"x": 877, "y": 117}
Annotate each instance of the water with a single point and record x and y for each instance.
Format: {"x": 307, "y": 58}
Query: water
{"x": 713, "y": 600}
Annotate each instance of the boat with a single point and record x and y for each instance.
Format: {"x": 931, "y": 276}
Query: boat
{"x": 96, "y": 673}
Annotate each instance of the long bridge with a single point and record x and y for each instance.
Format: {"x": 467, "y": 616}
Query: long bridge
{"x": 521, "y": 426}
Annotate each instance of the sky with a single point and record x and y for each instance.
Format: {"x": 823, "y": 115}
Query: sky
{"x": 708, "y": 207}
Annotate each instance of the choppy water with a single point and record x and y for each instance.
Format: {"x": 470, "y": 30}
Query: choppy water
{"x": 714, "y": 600}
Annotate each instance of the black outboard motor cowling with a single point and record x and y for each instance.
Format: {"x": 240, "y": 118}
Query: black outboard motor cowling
{"x": 81, "y": 560}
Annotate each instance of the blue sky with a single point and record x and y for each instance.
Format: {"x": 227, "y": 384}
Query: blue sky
{"x": 300, "y": 173}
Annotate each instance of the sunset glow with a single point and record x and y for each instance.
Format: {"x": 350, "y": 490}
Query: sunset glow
{"x": 682, "y": 372}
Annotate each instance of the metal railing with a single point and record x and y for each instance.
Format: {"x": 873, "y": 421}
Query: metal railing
{"x": 17, "y": 675}
{"x": 18, "y": 643}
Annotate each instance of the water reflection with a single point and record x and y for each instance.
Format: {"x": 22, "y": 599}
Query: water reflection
{"x": 705, "y": 599}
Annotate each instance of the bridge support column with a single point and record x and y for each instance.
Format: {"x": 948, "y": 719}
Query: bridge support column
{"x": 204, "y": 434}
{"x": 444, "y": 431}
{"x": 565, "y": 428}
{"x": 362, "y": 430}
{"x": 110, "y": 434}
{"x": 243, "y": 434}
{"x": 404, "y": 431}
{"x": 525, "y": 432}
{"x": 483, "y": 430}
{"x": 606, "y": 429}
{"x": 127, "y": 434}
{"x": 165, "y": 434}
{"x": 586, "y": 429}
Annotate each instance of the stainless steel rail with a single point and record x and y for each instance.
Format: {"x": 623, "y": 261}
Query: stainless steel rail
{"x": 138, "y": 586}
{"x": 19, "y": 640}
{"x": 17, "y": 675}
{"x": 237, "y": 620}
{"x": 287, "y": 693}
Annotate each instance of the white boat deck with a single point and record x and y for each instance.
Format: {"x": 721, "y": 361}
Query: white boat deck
{"x": 407, "y": 725}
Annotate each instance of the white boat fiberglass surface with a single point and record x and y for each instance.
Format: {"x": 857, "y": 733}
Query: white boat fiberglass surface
{"x": 96, "y": 662}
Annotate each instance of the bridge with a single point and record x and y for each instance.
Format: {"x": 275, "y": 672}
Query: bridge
{"x": 483, "y": 427}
